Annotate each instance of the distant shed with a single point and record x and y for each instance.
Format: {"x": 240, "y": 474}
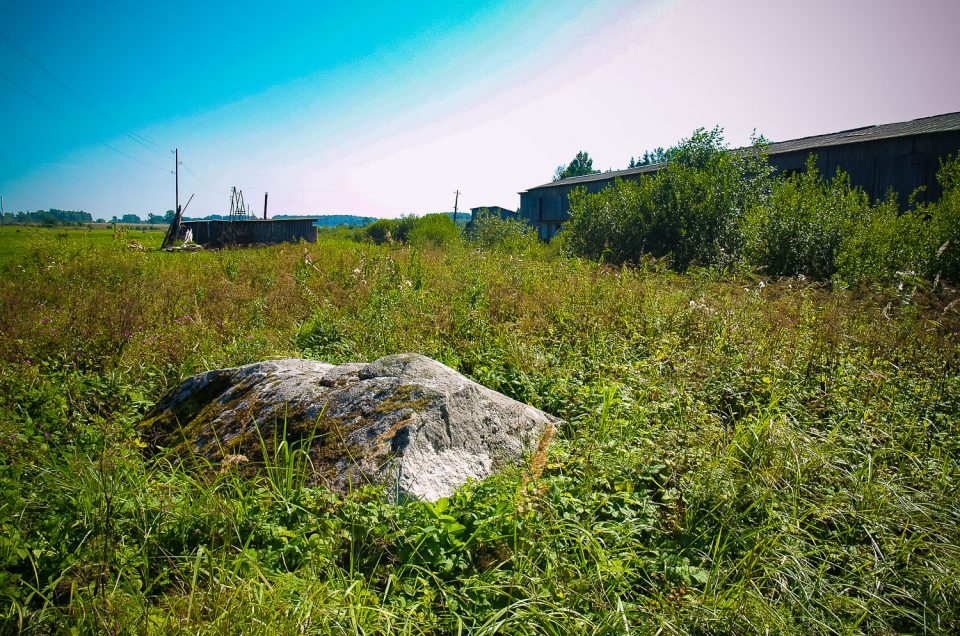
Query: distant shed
{"x": 493, "y": 210}
{"x": 252, "y": 232}
{"x": 900, "y": 157}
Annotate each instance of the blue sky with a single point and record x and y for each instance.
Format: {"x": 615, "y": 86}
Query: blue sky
{"x": 387, "y": 108}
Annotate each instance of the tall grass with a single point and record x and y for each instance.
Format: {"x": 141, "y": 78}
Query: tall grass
{"x": 737, "y": 455}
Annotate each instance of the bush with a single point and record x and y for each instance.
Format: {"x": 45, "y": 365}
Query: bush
{"x": 433, "y": 230}
{"x": 617, "y": 224}
{"x": 429, "y": 230}
{"x": 711, "y": 207}
{"x": 882, "y": 246}
{"x": 944, "y": 219}
{"x": 509, "y": 236}
{"x": 689, "y": 211}
{"x": 800, "y": 227}
{"x": 383, "y": 231}
{"x": 829, "y": 229}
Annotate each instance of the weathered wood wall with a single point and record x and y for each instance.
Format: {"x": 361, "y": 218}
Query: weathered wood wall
{"x": 902, "y": 164}
{"x": 256, "y": 232}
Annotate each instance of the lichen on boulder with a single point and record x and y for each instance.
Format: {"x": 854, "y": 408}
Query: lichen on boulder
{"x": 406, "y": 422}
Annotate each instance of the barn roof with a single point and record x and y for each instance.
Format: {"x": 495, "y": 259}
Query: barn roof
{"x": 490, "y": 207}
{"x": 600, "y": 176}
{"x": 947, "y": 122}
{"x": 938, "y": 123}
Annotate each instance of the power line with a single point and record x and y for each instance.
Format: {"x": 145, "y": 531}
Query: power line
{"x": 71, "y": 123}
{"x": 199, "y": 180}
{"x": 315, "y": 191}
{"x": 143, "y": 141}
{"x": 137, "y": 138}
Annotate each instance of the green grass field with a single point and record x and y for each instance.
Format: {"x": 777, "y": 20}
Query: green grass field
{"x": 740, "y": 455}
{"x": 15, "y": 240}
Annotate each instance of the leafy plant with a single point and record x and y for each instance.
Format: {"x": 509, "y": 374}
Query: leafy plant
{"x": 737, "y": 454}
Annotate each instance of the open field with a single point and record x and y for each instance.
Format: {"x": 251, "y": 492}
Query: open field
{"x": 739, "y": 455}
{"x": 16, "y": 240}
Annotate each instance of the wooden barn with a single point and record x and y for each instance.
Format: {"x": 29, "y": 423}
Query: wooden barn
{"x": 251, "y": 231}
{"x": 900, "y": 157}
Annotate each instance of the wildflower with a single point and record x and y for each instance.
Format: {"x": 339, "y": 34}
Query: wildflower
{"x": 28, "y": 361}
{"x": 46, "y": 434}
{"x": 44, "y": 321}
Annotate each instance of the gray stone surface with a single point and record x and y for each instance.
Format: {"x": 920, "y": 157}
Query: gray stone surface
{"x": 405, "y": 421}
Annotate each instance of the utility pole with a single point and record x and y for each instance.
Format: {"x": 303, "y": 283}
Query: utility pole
{"x": 2, "y": 220}
{"x": 176, "y": 176}
{"x": 456, "y": 200}
{"x": 265, "y": 205}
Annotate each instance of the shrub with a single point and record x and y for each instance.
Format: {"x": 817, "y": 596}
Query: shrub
{"x": 800, "y": 227}
{"x": 883, "y": 245}
{"x": 711, "y": 207}
{"x": 617, "y": 224}
{"x": 382, "y": 231}
{"x": 827, "y": 228}
{"x": 689, "y": 211}
{"x": 432, "y": 230}
{"x": 429, "y": 230}
{"x": 510, "y": 236}
{"x": 944, "y": 219}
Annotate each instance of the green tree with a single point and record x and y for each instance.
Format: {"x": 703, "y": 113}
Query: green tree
{"x": 581, "y": 165}
{"x": 650, "y": 157}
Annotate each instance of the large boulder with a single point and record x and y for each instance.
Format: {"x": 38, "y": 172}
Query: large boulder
{"x": 407, "y": 422}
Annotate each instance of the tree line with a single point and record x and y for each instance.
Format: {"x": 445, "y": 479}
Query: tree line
{"x": 54, "y": 217}
{"x": 49, "y": 217}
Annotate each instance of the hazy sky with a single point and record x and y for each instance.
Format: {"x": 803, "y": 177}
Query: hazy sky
{"x": 387, "y": 108}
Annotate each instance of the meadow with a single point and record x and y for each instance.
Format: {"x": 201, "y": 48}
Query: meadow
{"x": 740, "y": 454}
{"x": 17, "y": 239}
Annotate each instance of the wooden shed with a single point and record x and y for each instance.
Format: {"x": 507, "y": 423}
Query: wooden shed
{"x": 251, "y": 232}
{"x": 898, "y": 157}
